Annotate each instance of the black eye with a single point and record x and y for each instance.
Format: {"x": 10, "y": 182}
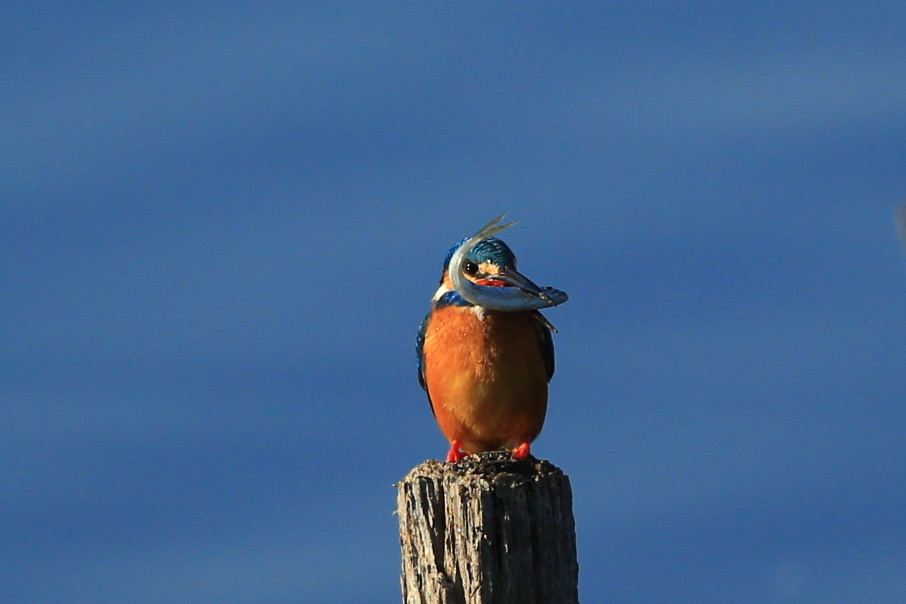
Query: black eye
{"x": 470, "y": 268}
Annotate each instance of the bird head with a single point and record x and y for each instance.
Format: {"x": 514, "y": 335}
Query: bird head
{"x": 481, "y": 269}
{"x": 492, "y": 263}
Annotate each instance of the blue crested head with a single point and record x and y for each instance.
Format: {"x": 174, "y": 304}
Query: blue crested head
{"x": 491, "y": 250}
{"x": 481, "y": 271}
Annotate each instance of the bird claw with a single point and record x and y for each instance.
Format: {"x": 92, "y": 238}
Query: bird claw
{"x": 455, "y": 455}
{"x": 522, "y": 451}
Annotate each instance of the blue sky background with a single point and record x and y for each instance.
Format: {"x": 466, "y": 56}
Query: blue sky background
{"x": 221, "y": 225}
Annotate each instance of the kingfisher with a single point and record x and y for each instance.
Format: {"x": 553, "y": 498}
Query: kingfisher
{"x": 485, "y": 351}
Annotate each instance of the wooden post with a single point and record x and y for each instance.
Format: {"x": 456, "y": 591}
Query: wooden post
{"x": 489, "y": 529}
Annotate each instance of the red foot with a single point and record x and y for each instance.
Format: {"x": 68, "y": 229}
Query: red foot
{"x": 454, "y": 454}
{"x": 522, "y": 451}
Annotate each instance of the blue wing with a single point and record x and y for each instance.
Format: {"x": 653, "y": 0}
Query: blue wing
{"x": 547, "y": 343}
{"x": 420, "y": 353}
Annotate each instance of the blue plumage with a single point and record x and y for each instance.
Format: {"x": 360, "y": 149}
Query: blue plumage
{"x": 491, "y": 250}
{"x": 419, "y": 351}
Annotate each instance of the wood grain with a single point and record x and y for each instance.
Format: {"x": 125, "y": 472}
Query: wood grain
{"x": 489, "y": 529}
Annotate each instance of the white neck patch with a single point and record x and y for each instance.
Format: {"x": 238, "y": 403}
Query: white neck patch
{"x": 440, "y": 292}
{"x": 478, "y": 310}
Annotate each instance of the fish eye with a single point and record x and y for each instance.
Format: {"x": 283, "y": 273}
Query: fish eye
{"x": 470, "y": 268}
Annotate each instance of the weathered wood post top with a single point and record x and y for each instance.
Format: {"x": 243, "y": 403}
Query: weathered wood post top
{"x": 489, "y": 529}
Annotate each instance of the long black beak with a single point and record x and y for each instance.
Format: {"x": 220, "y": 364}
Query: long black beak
{"x": 514, "y": 278}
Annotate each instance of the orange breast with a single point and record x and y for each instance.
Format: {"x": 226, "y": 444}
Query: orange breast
{"x": 486, "y": 377}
